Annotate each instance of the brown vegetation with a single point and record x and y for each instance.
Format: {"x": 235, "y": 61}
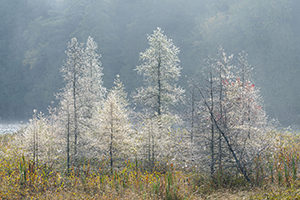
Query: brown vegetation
{"x": 275, "y": 177}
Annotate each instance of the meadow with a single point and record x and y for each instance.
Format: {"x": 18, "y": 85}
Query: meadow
{"x": 274, "y": 177}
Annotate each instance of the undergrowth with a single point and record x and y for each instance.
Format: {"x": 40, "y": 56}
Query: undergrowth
{"x": 273, "y": 177}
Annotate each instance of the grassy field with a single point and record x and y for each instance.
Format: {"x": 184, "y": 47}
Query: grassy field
{"x": 21, "y": 179}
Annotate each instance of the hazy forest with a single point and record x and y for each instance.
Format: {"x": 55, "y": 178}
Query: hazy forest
{"x": 156, "y": 99}
{"x": 34, "y": 35}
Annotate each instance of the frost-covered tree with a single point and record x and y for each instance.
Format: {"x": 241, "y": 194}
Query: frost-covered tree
{"x": 234, "y": 125}
{"x": 72, "y": 72}
{"x": 246, "y": 119}
{"x": 65, "y": 121}
{"x": 82, "y": 94}
{"x": 160, "y": 69}
{"x": 222, "y": 70}
{"x": 207, "y": 139}
{"x": 113, "y": 134}
{"x": 93, "y": 89}
{"x": 38, "y": 138}
{"x": 158, "y": 140}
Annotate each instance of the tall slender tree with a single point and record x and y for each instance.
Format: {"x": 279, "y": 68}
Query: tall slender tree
{"x": 160, "y": 69}
{"x": 72, "y": 72}
{"x": 93, "y": 89}
{"x": 115, "y": 126}
{"x": 82, "y": 94}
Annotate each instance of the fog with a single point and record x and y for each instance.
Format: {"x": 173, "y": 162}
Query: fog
{"x": 9, "y": 128}
{"x": 33, "y": 37}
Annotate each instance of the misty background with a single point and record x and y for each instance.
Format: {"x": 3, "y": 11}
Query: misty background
{"x": 34, "y": 33}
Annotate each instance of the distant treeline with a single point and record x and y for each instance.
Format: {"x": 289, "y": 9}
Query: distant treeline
{"x": 33, "y": 37}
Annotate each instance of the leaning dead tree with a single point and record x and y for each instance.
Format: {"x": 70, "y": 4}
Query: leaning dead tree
{"x": 232, "y": 126}
{"x": 224, "y": 136}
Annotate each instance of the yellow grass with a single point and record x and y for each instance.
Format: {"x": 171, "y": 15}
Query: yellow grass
{"x": 21, "y": 179}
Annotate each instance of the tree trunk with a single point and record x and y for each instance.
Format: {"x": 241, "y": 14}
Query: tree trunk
{"x": 212, "y": 165}
{"x": 68, "y": 140}
{"x": 193, "y": 110}
{"x": 221, "y": 116}
{"x": 159, "y": 86}
{"x": 111, "y": 138}
{"x": 226, "y": 139}
{"x": 75, "y": 111}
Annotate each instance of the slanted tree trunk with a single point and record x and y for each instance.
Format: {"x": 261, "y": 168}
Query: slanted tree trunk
{"x": 225, "y": 138}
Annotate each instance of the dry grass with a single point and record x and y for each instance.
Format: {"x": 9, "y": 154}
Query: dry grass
{"x": 21, "y": 179}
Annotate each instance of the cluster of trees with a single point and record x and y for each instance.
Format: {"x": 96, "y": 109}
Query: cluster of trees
{"x": 228, "y": 123}
{"x": 224, "y": 129}
{"x": 33, "y": 35}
